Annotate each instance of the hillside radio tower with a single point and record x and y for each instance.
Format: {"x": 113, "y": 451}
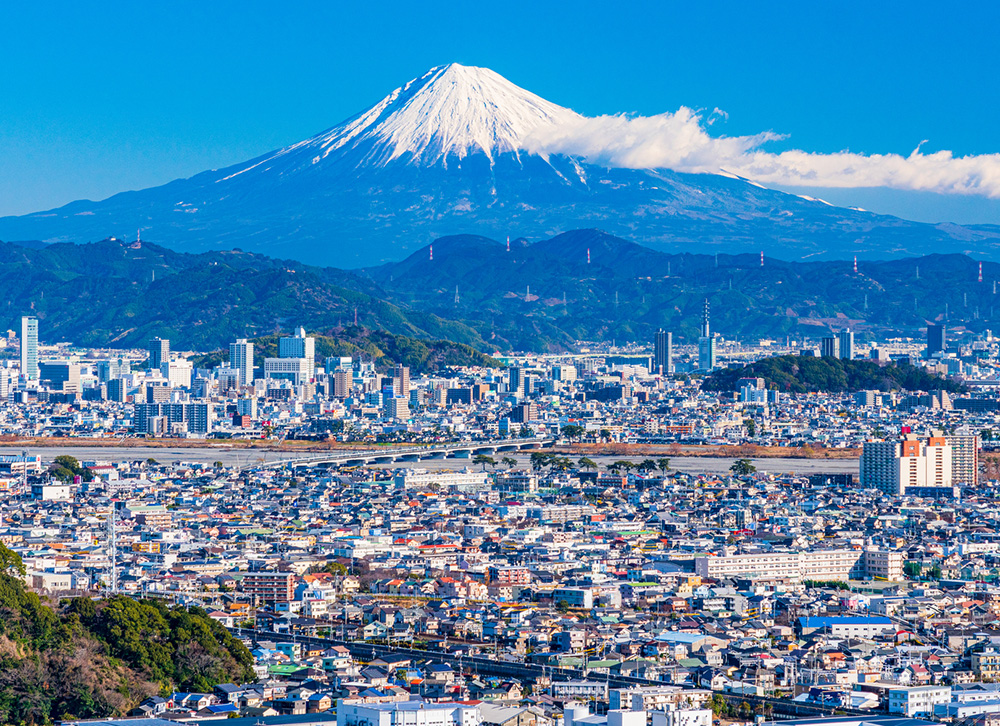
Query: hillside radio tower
{"x": 588, "y": 255}
{"x": 762, "y": 258}
{"x": 508, "y": 243}
{"x": 980, "y": 271}
{"x": 432, "y": 253}
{"x": 855, "y": 264}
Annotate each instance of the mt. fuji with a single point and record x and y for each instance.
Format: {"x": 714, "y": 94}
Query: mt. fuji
{"x": 446, "y": 154}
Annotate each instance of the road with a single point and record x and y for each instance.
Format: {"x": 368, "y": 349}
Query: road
{"x": 243, "y": 457}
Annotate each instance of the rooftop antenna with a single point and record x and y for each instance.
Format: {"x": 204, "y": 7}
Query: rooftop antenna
{"x": 855, "y": 264}
{"x": 946, "y": 311}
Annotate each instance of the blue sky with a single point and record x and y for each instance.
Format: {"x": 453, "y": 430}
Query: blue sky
{"x": 100, "y": 98}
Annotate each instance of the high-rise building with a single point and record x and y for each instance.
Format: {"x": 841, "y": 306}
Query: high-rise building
{"x": 846, "y": 339}
{"x": 911, "y": 466}
{"x": 29, "y": 349}
{"x": 516, "y": 381}
{"x": 401, "y": 381}
{"x": 300, "y": 346}
{"x": 829, "y": 347}
{"x": 663, "y": 353}
{"x": 706, "y": 343}
{"x": 964, "y": 459}
{"x": 397, "y": 408}
{"x": 342, "y": 382}
{"x": 241, "y": 358}
{"x": 159, "y": 353}
{"x": 936, "y": 339}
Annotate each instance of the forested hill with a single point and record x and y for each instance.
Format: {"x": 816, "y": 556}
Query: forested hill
{"x": 805, "y": 374}
{"x": 88, "y": 659}
{"x": 118, "y": 294}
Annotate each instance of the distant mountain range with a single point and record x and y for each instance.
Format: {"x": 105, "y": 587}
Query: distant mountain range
{"x": 584, "y": 285}
{"x": 115, "y": 294}
{"x": 445, "y": 154}
{"x": 589, "y": 285}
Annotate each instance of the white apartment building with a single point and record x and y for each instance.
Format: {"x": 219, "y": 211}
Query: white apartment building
{"x": 407, "y": 713}
{"x": 917, "y": 701}
{"x": 911, "y": 465}
{"x": 417, "y": 478}
{"x": 812, "y": 565}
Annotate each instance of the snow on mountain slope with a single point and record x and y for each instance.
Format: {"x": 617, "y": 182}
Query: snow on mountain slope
{"x": 450, "y": 111}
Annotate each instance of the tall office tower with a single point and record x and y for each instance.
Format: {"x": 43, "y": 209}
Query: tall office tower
{"x": 516, "y": 381}
{"x": 401, "y": 381}
{"x": 299, "y": 346}
{"x": 663, "y": 353}
{"x": 846, "y": 338}
{"x": 342, "y": 382}
{"x": 29, "y": 349}
{"x": 936, "y": 341}
{"x": 241, "y": 358}
{"x": 706, "y": 343}
{"x": 830, "y": 347}
{"x": 159, "y": 353}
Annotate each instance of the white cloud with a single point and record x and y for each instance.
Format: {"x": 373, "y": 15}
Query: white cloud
{"x": 681, "y": 142}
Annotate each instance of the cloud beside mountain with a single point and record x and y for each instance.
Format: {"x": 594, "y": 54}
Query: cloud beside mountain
{"x": 680, "y": 141}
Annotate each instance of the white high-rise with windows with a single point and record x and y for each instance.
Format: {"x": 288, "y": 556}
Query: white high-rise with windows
{"x": 241, "y": 358}
{"x": 299, "y": 346}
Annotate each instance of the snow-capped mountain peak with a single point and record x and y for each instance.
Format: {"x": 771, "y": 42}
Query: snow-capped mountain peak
{"x": 449, "y": 112}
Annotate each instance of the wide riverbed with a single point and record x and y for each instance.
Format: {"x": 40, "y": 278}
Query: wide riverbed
{"x": 240, "y": 457}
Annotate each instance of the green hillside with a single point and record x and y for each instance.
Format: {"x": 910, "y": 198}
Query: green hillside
{"x": 805, "y": 374}
{"x": 87, "y": 659}
{"x": 113, "y": 294}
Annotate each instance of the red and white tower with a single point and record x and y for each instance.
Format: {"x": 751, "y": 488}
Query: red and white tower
{"x": 508, "y": 243}
{"x": 762, "y": 258}
{"x": 980, "y": 271}
{"x": 588, "y": 255}
{"x": 432, "y": 253}
{"x": 855, "y": 264}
